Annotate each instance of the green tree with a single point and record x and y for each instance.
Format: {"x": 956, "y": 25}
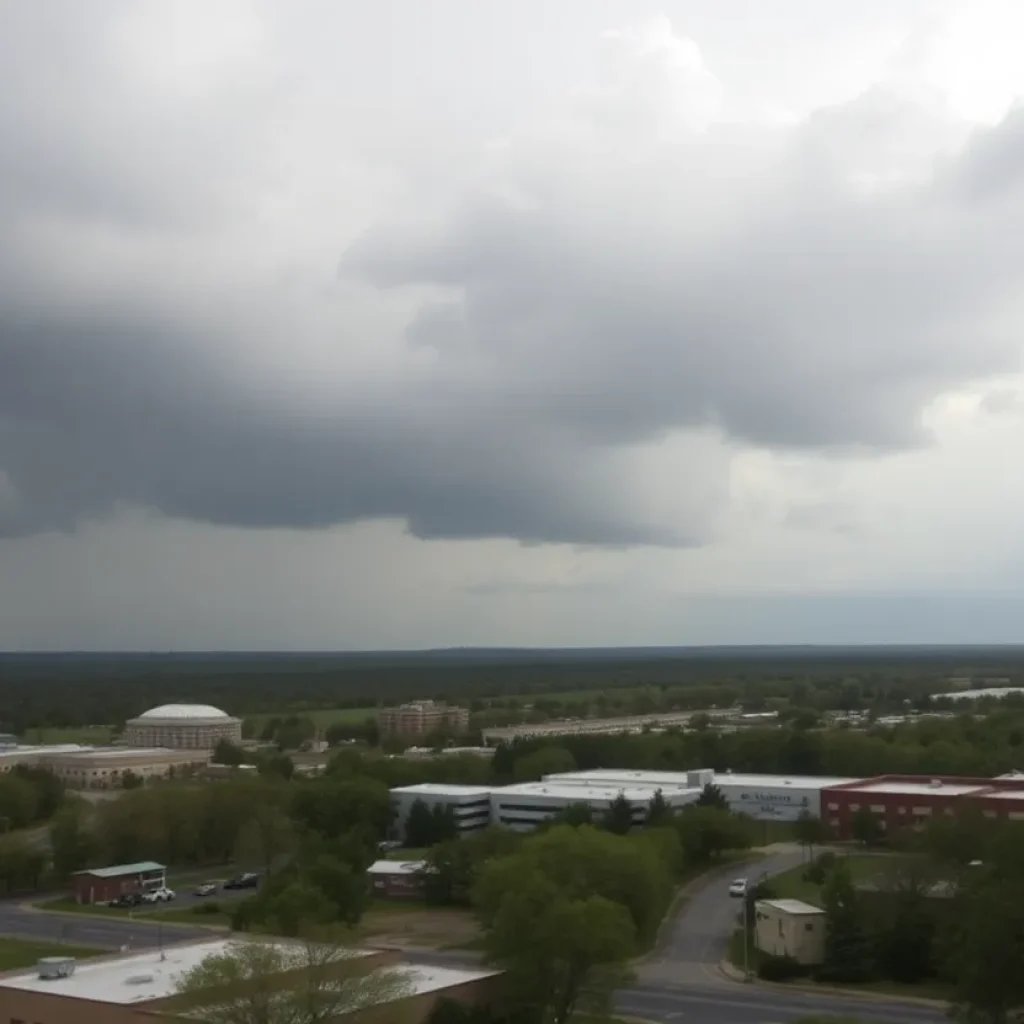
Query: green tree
{"x": 22, "y": 864}
{"x": 618, "y": 819}
{"x": 129, "y": 780}
{"x": 266, "y": 840}
{"x": 574, "y": 815}
{"x": 560, "y": 953}
{"x": 706, "y": 832}
{"x": 419, "y": 825}
{"x": 72, "y": 840}
{"x": 847, "y": 945}
{"x": 810, "y": 831}
{"x": 251, "y": 971}
{"x": 658, "y": 811}
{"x": 865, "y": 827}
{"x": 226, "y": 752}
{"x": 989, "y": 950}
{"x": 905, "y": 944}
{"x": 548, "y": 760}
{"x": 712, "y": 796}
{"x": 443, "y": 824}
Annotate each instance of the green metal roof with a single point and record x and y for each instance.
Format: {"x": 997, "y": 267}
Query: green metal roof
{"x": 124, "y": 869}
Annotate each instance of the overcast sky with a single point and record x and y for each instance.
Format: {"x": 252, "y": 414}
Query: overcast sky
{"x": 335, "y": 324}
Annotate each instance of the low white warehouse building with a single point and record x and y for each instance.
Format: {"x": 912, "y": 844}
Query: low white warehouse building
{"x": 525, "y": 806}
{"x": 763, "y": 797}
{"x": 471, "y": 805}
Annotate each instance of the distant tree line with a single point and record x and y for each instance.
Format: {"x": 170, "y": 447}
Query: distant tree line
{"x": 68, "y": 691}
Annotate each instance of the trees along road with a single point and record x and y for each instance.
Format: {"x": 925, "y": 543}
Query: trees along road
{"x": 679, "y": 982}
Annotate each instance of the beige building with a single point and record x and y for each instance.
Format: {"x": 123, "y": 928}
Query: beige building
{"x": 106, "y": 768}
{"x": 94, "y": 768}
{"x": 790, "y": 928}
{"x": 141, "y": 988}
{"x": 422, "y": 717}
{"x": 182, "y": 727}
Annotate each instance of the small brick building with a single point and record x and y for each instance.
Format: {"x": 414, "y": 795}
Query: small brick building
{"x": 396, "y": 879}
{"x": 100, "y": 885}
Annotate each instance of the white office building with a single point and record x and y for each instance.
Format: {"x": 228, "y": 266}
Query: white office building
{"x": 525, "y": 806}
{"x": 762, "y": 797}
{"x": 471, "y": 805}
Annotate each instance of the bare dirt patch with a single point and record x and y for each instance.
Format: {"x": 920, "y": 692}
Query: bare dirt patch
{"x": 432, "y": 926}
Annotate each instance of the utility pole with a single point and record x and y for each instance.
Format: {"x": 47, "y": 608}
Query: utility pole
{"x": 746, "y": 936}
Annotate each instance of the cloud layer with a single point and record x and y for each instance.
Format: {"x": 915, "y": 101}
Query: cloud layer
{"x": 218, "y": 302}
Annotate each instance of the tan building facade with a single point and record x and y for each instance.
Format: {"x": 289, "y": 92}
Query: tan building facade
{"x": 790, "y": 928}
{"x": 107, "y": 769}
{"x": 183, "y": 727}
{"x": 422, "y": 717}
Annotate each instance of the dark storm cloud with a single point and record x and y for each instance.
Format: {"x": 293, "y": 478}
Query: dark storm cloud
{"x": 600, "y": 300}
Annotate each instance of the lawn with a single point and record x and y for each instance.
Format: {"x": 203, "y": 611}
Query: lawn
{"x": 407, "y": 853}
{"x": 322, "y": 717}
{"x": 15, "y": 953}
{"x": 863, "y": 867}
{"x": 66, "y": 905}
{"x": 100, "y": 735}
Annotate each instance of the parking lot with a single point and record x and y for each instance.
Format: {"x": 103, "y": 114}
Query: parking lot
{"x": 185, "y": 896}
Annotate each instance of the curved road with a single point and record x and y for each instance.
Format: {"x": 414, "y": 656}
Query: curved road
{"x": 680, "y": 983}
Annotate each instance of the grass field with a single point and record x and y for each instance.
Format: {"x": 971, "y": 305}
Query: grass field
{"x": 792, "y": 885}
{"x": 15, "y": 953}
{"x": 86, "y": 734}
{"x": 322, "y": 717}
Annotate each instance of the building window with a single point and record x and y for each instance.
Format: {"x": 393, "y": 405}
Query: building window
{"x": 809, "y": 927}
{"x": 833, "y": 807}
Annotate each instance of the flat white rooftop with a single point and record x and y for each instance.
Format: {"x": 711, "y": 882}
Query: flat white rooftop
{"x": 988, "y": 691}
{"x": 1006, "y": 794}
{"x": 779, "y": 781}
{"x": 918, "y": 788}
{"x": 136, "y": 978}
{"x": 791, "y": 906}
{"x": 721, "y": 779}
{"x": 580, "y": 792}
{"x": 443, "y": 789}
{"x": 396, "y": 867}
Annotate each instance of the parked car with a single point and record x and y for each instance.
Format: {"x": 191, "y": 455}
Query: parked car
{"x": 127, "y": 899}
{"x": 205, "y": 889}
{"x": 246, "y": 881}
{"x": 738, "y": 887}
{"x": 163, "y": 895}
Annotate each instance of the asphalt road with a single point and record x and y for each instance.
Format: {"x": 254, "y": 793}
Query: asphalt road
{"x": 695, "y": 942}
{"x": 89, "y": 929}
{"x": 681, "y": 981}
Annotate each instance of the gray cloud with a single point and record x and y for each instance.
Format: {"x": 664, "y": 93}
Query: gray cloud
{"x": 589, "y": 294}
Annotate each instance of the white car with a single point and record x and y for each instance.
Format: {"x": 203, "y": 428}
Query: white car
{"x": 738, "y": 887}
{"x": 163, "y": 895}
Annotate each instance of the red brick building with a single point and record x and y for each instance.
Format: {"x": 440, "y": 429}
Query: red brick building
{"x": 100, "y": 885}
{"x": 906, "y": 801}
{"x": 395, "y": 879}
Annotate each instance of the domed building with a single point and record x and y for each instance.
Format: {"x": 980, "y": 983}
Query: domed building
{"x": 182, "y": 727}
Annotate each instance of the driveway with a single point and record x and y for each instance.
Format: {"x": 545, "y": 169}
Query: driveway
{"x": 695, "y": 941}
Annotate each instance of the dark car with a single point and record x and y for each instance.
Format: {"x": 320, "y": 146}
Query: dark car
{"x": 246, "y": 881}
{"x": 128, "y": 899}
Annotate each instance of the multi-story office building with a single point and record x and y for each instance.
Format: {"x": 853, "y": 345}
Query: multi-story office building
{"x": 422, "y": 717}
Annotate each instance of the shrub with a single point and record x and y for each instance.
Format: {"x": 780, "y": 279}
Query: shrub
{"x": 779, "y": 968}
{"x": 212, "y": 907}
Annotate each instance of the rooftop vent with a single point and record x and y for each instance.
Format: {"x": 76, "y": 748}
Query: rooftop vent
{"x": 936, "y": 783}
{"x": 52, "y": 968}
{"x": 139, "y": 979}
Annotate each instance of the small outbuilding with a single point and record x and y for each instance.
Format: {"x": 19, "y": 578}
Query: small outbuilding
{"x": 790, "y": 928}
{"x": 100, "y": 885}
{"x": 396, "y": 879}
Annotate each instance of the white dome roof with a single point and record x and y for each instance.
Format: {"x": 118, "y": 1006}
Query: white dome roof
{"x": 183, "y": 711}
